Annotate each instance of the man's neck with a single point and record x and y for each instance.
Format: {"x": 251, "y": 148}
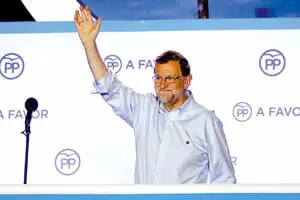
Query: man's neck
{"x": 179, "y": 103}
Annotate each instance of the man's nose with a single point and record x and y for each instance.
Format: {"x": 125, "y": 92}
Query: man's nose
{"x": 163, "y": 84}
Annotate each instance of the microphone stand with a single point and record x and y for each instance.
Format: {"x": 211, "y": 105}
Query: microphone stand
{"x": 27, "y": 132}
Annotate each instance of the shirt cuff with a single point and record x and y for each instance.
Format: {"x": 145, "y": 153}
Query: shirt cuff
{"x": 104, "y": 85}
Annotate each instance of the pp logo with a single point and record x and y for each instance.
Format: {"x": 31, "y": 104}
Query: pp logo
{"x": 11, "y": 66}
{"x": 67, "y": 162}
{"x": 272, "y": 62}
{"x": 114, "y": 63}
{"x": 242, "y": 111}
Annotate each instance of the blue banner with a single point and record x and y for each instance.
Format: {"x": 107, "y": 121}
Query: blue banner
{"x": 253, "y": 9}
{"x": 142, "y": 10}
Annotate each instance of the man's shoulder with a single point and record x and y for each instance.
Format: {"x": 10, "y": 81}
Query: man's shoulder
{"x": 203, "y": 113}
{"x": 199, "y": 119}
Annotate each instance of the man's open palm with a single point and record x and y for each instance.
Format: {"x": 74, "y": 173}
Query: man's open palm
{"x": 86, "y": 28}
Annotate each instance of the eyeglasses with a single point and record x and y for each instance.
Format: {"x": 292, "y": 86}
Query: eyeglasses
{"x": 168, "y": 79}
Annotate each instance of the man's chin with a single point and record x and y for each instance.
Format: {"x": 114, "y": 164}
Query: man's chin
{"x": 164, "y": 100}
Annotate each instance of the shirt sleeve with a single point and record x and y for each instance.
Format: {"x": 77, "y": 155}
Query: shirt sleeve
{"x": 221, "y": 169}
{"x": 124, "y": 101}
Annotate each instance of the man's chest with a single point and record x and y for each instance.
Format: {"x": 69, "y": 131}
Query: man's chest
{"x": 172, "y": 139}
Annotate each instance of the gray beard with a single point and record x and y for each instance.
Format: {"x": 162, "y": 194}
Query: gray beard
{"x": 168, "y": 101}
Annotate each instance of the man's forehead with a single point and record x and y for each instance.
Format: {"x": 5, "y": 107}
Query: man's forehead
{"x": 170, "y": 67}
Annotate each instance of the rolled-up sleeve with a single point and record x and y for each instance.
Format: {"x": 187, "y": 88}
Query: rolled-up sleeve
{"x": 221, "y": 169}
{"x": 124, "y": 101}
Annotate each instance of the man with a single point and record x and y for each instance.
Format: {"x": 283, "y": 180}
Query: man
{"x": 177, "y": 140}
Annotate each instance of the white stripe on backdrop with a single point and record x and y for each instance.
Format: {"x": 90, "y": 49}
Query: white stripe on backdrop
{"x": 226, "y": 71}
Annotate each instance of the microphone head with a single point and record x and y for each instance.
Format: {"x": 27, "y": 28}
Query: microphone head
{"x": 31, "y": 104}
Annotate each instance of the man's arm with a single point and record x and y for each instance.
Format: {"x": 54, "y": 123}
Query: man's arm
{"x": 88, "y": 32}
{"x": 124, "y": 101}
{"x": 220, "y": 166}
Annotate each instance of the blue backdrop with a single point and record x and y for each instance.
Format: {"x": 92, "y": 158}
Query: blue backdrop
{"x": 253, "y": 8}
{"x": 187, "y": 9}
{"x": 143, "y": 9}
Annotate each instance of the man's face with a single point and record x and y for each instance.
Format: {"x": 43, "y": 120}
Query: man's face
{"x": 170, "y": 93}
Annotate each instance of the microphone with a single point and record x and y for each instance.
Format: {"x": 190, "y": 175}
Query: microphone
{"x": 31, "y": 105}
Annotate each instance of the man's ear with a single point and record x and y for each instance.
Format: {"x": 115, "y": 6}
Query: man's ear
{"x": 187, "y": 81}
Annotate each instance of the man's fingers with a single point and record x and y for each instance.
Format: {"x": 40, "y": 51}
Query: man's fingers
{"x": 88, "y": 14}
{"x": 83, "y": 14}
{"x": 98, "y": 24}
{"x": 77, "y": 18}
